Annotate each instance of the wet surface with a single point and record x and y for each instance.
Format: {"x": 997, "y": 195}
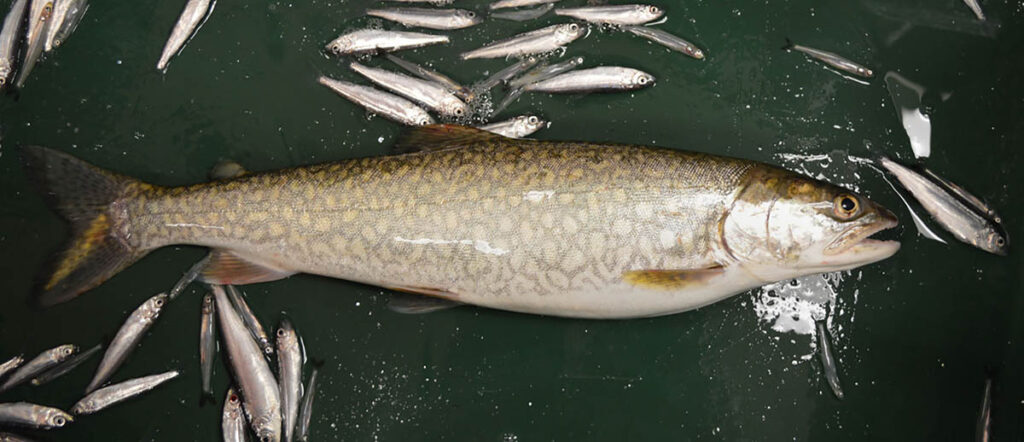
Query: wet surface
{"x": 913, "y": 335}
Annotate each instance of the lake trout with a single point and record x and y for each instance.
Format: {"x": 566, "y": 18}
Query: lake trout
{"x": 570, "y": 229}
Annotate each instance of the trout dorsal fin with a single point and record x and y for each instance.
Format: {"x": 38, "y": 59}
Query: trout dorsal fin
{"x": 437, "y": 137}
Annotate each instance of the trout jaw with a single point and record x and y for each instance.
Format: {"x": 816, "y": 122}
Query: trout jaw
{"x": 854, "y": 248}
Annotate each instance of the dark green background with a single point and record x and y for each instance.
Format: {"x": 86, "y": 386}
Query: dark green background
{"x": 913, "y": 345}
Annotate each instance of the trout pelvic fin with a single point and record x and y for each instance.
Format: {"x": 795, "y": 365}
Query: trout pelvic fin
{"x": 82, "y": 194}
{"x": 671, "y": 279}
{"x": 226, "y": 268}
{"x": 436, "y": 137}
{"x": 410, "y": 304}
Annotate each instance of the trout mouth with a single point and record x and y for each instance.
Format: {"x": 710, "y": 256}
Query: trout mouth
{"x": 856, "y": 241}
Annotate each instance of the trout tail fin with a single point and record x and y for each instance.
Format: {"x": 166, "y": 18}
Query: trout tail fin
{"x": 82, "y": 194}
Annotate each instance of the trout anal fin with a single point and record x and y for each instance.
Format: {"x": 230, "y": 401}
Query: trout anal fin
{"x": 672, "y": 279}
{"x": 227, "y": 268}
{"x": 419, "y": 300}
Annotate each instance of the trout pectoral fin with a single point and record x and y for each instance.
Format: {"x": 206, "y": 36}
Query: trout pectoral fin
{"x": 671, "y": 279}
{"x": 442, "y": 137}
{"x": 417, "y": 304}
{"x": 227, "y": 268}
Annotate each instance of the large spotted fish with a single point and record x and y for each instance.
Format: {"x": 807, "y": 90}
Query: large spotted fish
{"x": 572, "y": 229}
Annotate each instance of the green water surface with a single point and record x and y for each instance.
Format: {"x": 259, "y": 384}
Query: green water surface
{"x": 914, "y": 335}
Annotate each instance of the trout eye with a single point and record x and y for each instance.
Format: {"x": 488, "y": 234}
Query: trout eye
{"x": 845, "y": 206}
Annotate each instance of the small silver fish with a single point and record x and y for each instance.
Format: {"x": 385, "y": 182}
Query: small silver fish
{"x": 261, "y": 398}
{"x": 207, "y": 342}
{"x": 461, "y": 91}
{"x": 75, "y": 10}
{"x": 614, "y": 14}
{"x": 975, "y": 8}
{"x": 668, "y": 40}
{"x": 190, "y": 275}
{"x": 306, "y": 411}
{"x": 289, "y": 372}
{"x": 127, "y": 338}
{"x": 831, "y": 59}
{"x": 541, "y": 73}
{"x": 65, "y": 367}
{"x": 10, "y": 364}
{"x": 24, "y": 414}
{"x": 533, "y": 42}
{"x": 250, "y": 320}
{"x": 374, "y": 40}
{"x": 188, "y": 23}
{"x": 442, "y": 19}
{"x": 427, "y": 93}
{"x": 387, "y": 105}
{"x": 599, "y": 79}
{"x": 39, "y": 364}
{"x": 8, "y": 37}
{"x": 508, "y": 73}
{"x": 524, "y": 14}
{"x": 232, "y": 420}
{"x": 518, "y": 3}
{"x": 516, "y": 127}
{"x": 60, "y": 10}
{"x": 983, "y": 430}
{"x": 964, "y": 223}
{"x": 119, "y": 392}
{"x": 40, "y": 12}
{"x": 828, "y": 362}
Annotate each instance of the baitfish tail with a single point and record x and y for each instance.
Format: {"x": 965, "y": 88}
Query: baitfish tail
{"x": 86, "y": 196}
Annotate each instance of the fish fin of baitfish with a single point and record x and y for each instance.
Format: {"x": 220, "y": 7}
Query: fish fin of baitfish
{"x": 436, "y": 137}
{"x": 82, "y": 194}
{"x": 227, "y": 268}
{"x": 671, "y": 279}
{"x": 417, "y": 304}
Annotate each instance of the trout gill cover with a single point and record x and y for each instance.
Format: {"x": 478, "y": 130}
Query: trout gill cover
{"x": 569, "y": 229}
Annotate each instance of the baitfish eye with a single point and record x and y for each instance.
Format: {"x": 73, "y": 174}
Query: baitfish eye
{"x": 654, "y": 10}
{"x": 574, "y": 27}
{"x": 471, "y": 14}
{"x": 281, "y": 333}
{"x": 67, "y": 351}
{"x": 3, "y": 81}
{"x": 59, "y": 421}
{"x": 459, "y": 112}
{"x": 159, "y": 302}
{"x": 845, "y": 206}
{"x": 233, "y": 399}
{"x": 1000, "y": 241}
{"x": 533, "y": 120}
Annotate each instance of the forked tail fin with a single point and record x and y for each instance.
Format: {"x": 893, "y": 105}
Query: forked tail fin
{"x": 82, "y": 194}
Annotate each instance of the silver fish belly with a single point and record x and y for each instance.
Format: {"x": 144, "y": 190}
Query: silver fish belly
{"x": 65, "y": 367}
{"x": 127, "y": 338}
{"x": 261, "y": 398}
{"x": 454, "y": 87}
{"x": 441, "y": 19}
{"x": 39, "y": 364}
{"x": 188, "y": 22}
{"x": 670, "y": 41}
{"x": 207, "y": 342}
{"x": 387, "y": 105}
{"x": 524, "y": 14}
{"x": 8, "y": 37}
{"x": 517, "y": 3}
{"x": 289, "y": 372}
{"x": 116, "y": 393}
{"x": 232, "y": 421}
{"x": 29, "y": 415}
{"x": 533, "y": 42}
{"x": 964, "y": 223}
{"x": 517, "y": 127}
{"x": 259, "y": 334}
{"x": 374, "y": 40}
{"x": 614, "y": 14}
{"x": 604, "y": 78}
{"x": 427, "y": 93}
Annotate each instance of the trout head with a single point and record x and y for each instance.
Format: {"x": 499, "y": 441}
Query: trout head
{"x": 783, "y": 225}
